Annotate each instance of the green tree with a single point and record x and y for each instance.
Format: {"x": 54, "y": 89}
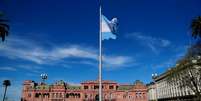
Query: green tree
{"x": 4, "y": 27}
{"x": 6, "y": 83}
{"x": 196, "y": 27}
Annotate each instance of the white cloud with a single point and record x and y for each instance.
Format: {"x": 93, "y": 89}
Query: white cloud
{"x": 8, "y": 69}
{"x": 84, "y": 62}
{"x": 31, "y": 51}
{"x": 29, "y": 67}
{"x": 28, "y": 50}
{"x": 154, "y": 43}
{"x": 17, "y": 49}
{"x": 72, "y": 51}
{"x": 165, "y": 43}
{"x": 116, "y": 60}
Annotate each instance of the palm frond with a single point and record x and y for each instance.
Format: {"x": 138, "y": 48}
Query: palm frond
{"x": 4, "y": 25}
{"x": 3, "y": 29}
{"x": 196, "y": 27}
{"x": 6, "y": 83}
{"x": 3, "y": 33}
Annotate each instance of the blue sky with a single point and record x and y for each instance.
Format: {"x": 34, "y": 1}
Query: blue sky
{"x": 60, "y": 38}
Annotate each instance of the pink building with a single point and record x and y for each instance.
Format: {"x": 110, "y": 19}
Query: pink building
{"x": 86, "y": 91}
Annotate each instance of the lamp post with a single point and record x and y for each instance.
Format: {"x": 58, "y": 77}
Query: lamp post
{"x": 43, "y": 77}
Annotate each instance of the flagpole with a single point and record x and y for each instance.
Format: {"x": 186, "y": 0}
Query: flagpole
{"x": 100, "y": 52}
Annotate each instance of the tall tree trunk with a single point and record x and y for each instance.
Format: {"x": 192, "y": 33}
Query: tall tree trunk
{"x": 199, "y": 97}
{"x": 5, "y": 93}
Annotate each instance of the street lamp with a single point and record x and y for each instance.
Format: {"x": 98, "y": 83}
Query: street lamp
{"x": 154, "y": 75}
{"x": 43, "y": 77}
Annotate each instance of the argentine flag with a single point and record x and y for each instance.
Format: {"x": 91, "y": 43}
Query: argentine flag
{"x": 109, "y": 28}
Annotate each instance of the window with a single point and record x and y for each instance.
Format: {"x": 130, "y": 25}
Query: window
{"x": 111, "y": 87}
{"x": 85, "y": 95}
{"x": 86, "y": 87}
{"x": 57, "y": 95}
{"x": 136, "y": 95}
{"x": 124, "y": 96}
{"x": 67, "y": 95}
{"x": 37, "y": 95}
{"x": 96, "y": 87}
{"x": 78, "y": 95}
{"x": 60, "y": 95}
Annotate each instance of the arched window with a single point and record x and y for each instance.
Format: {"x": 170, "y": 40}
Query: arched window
{"x": 40, "y": 95}
{"x": 60, "y": 95}
{"x": 96, "y": 87}
{"x": 57, "y": 95}
{"x": 111, "y": 87}
{"x": 67, "y": 95}
{"x": 53, "y": 95}
{"x": 36, "y": 95}
{"x": 86, "y": 87}
{"x": 86, "y": 95}
{"x": 124, "y": 96}
{"x": 78, "y": 95}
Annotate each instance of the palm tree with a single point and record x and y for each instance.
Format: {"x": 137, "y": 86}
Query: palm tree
{"x": 3, "y": 28}
{"x": 6, "y": 83}
{"x": 196, "y": 27}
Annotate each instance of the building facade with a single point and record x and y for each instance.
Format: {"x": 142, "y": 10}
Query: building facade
{"x": 172, "y": 91}
{"x": 151, "y": 91}
{"x": 165, "y": 89}
{"x": 177, "y": 86}
{"x": 86, "y": 91}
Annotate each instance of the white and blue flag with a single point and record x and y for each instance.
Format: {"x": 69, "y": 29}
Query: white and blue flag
{"x": 109, "y": 28}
